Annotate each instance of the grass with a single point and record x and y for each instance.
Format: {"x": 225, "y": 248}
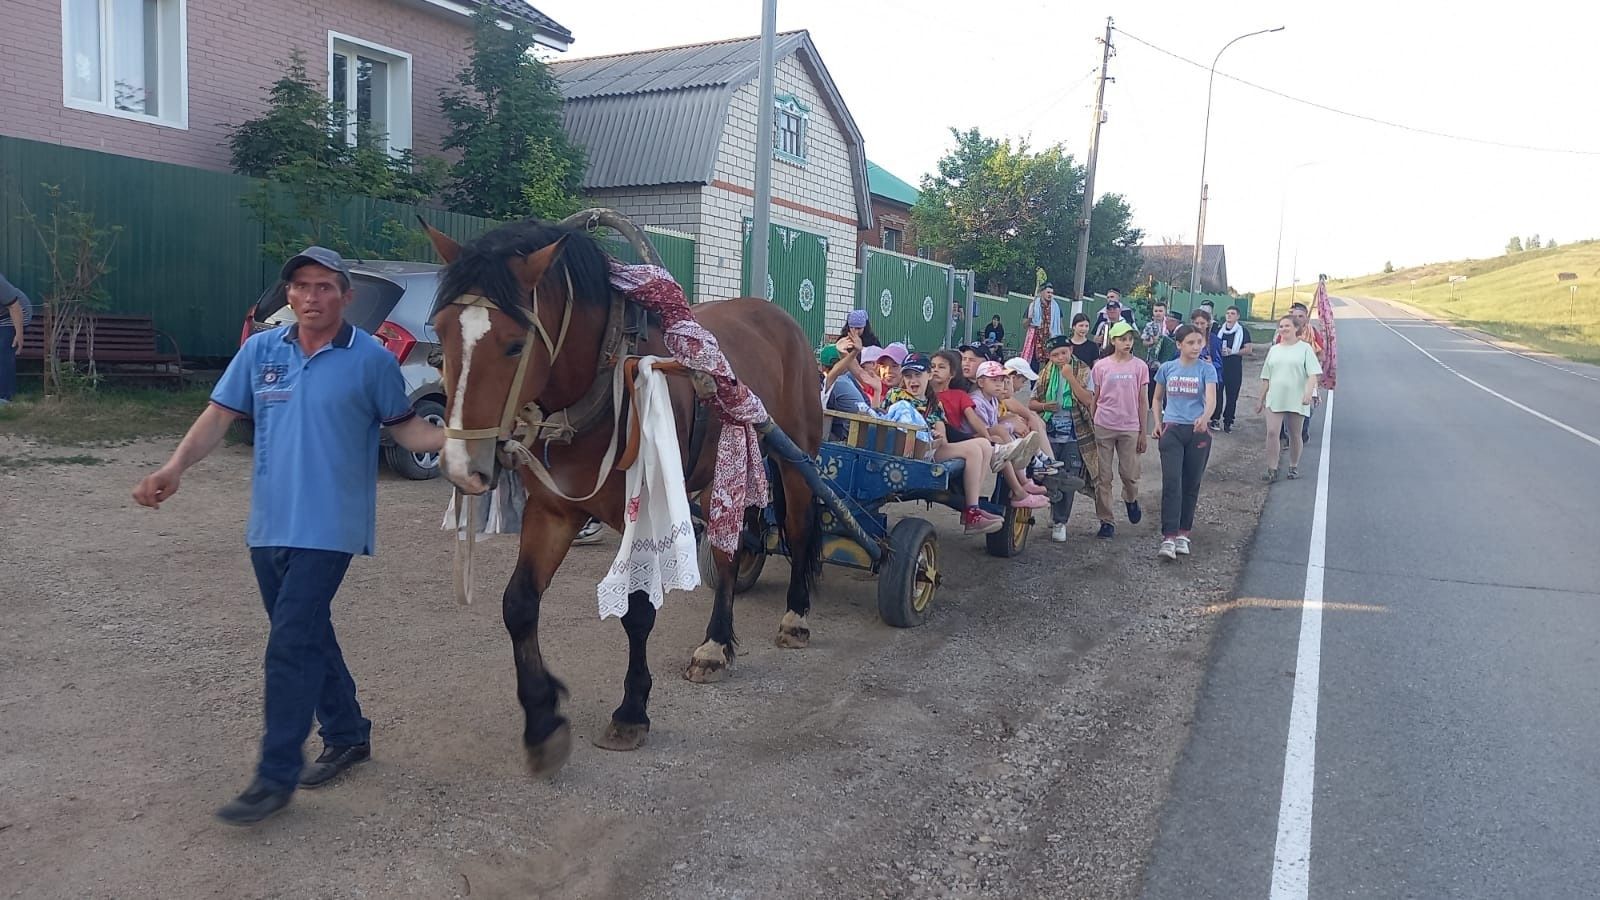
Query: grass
{"x": 18, "y": 463}
{"x": 106, "y": 417}
{"x": 1516, "y": 297}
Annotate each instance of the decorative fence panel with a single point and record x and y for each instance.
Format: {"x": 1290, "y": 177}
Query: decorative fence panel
{"x": 797, "y": 274}
{"x": 907, "y": 297}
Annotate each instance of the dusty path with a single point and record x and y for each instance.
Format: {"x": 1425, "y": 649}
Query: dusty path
{"x": 1019, "y": 745}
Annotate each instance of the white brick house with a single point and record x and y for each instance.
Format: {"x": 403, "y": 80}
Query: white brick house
{"x": 671, "y": 138}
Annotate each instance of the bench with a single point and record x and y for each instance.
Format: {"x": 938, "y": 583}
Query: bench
{"x": 871, "y": 433}
{"x": 118, "y": 340}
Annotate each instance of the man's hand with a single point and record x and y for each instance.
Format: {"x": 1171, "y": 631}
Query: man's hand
{"x": 418, "y": 435}
{"x": 1141, "y": 445}
{"x": 16, "y": 339}
{"x": 156, "y": 487}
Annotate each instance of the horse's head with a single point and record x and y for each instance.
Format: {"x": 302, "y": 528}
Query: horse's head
{"x": 520, "y": 315}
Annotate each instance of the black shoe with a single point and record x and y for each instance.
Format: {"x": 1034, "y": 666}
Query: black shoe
{"x": 260, "y": 800}
{"x": 333, "y": 761}
{"x": 1215, "y": 423}
{"x": 1107, "y": 530}
{"x": 1134, "y": 513}
{"x": 1227, "y": 427}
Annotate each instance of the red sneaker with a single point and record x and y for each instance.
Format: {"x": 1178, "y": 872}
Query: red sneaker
{"x": 976, "y": 521}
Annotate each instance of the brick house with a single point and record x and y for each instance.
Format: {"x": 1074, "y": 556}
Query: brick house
{"x": 892, "y": 199}
{"x": 671, "y": 141}
{"x": 168, "y": 82}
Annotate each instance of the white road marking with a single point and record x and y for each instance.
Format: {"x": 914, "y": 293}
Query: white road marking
{"x": 1291, "y": 859}
{"x": 474, "y": 324}
{"x": 1494, "y": 393}
{"x": 1421, "y": 322}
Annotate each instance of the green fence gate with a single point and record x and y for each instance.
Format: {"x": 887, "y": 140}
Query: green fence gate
{"x": 908, "y": 298}
{"x": 797, "y": 274}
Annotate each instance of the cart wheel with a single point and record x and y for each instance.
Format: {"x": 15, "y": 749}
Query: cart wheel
{"x": 747, "y": 568}
{"x": 1009, "y": 540}
{"x": 910, "y": 575}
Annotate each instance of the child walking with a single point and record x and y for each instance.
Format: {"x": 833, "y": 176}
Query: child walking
{"x": 1053, "y": 401}
{"x": 1120, "y": 424}
{"x": 1185, "y": 400}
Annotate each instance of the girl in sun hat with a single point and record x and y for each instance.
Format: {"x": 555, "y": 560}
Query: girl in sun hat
{"x": 1120, "y": 423}
{"x": 1019, "y": 416}
{"x": 984, "y": 418}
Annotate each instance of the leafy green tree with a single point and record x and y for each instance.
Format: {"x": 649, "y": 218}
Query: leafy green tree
{"x": 516, "y": 160}
{"x": 1388, "y": 268}
{"x": 1550, "y": 244}
{"x": 312, "y": 172}
{"x": 1514, "y": 245}
{"x": 1532, "y": 243}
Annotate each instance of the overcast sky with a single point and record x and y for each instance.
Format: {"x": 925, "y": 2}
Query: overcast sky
{"x": 1355, "y": 194}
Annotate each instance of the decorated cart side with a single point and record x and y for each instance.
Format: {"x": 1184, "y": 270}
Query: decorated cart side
{"x": 876, "y": 463}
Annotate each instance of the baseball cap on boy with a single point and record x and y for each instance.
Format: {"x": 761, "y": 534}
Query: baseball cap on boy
{"x": 916, "y": 362}
{"x": 1020, "y": 366}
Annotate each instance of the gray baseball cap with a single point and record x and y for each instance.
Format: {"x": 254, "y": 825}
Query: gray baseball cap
{"x": 323, "y": 257}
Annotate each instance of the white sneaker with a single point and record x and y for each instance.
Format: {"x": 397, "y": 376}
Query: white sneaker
{"x": 1007, "y": 452}
{"x": 1182, "y": 545}
{"x": 1169, "y": 550}
{"x": 590, "y": 533}
{"x": 1058, "y": 533}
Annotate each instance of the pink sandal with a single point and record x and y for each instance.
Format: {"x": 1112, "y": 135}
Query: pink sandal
{"x": 1030, "y": 501}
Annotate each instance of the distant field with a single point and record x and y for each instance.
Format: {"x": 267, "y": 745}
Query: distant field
{"x": 1516, "y": 297}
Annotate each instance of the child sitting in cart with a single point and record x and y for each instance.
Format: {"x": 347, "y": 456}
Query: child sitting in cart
{"x": 961, "y": 424}
{"x": 977, "y": 456}
{"x": 994, "y": 383}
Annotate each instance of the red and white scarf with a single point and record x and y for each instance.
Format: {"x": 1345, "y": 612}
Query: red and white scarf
{"x": 740, "y": 478}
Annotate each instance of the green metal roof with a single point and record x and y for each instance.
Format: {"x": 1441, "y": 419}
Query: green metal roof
{"x": 887, "y": 185}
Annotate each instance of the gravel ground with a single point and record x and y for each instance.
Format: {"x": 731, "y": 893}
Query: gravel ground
{"x": 1018, "y": 745}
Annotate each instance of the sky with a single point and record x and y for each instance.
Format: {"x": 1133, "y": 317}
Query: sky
{"x": 1349, "y": 195}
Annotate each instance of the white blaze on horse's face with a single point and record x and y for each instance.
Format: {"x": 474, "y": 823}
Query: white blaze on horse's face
{"x": 473, "y": 324}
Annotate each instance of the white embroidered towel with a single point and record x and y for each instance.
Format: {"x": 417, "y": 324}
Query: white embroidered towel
{"x": 658, "y": 549}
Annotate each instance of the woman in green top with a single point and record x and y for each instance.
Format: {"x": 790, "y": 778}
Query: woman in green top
{"x": 1288, "y": 382}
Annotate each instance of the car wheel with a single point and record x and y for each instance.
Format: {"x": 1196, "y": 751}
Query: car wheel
{"x": 417, "y": 466}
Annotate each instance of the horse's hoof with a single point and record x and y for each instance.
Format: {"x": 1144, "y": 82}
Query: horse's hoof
{"x": 705, "y": 671}
{"x": 623, "y": 736}
{"x": 547, "y": 757}
{"x": 793, "y": 632}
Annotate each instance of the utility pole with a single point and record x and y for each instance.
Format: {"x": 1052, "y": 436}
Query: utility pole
{"x": 761, "y": 205}
{"x": 1080, "y": 271}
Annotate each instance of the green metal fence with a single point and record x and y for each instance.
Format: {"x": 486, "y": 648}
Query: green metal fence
{"x": 907, "y": 297}
{"x": 797, "y": 274}
{"x": 1184, "y": 302}
{"x": 189, "y": 253}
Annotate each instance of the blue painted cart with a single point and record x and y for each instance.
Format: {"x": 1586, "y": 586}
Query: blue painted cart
{"x": 874, "y": 463}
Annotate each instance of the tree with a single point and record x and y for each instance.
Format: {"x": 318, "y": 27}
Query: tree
{"x": 1514, "y": 245}
{"x": 1550, "y": 244}
{"x": 311, "y": 171}
{"x": 515, "y": 161}
{"x": 1532, "y": 243}
{"x": 1007, "y": 212}
{"x": 78, "y": 253}
{"x": 1388, "y": 268}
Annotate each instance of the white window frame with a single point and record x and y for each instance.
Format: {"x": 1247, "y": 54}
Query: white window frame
{"x": 107, "y": 105}
{"x": 400, "y": 122}
{"x": 788, "y": 104}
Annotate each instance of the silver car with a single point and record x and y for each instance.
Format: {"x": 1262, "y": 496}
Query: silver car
{"x": 392, "y": 303}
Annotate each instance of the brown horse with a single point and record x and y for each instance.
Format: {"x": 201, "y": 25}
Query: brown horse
{"x": 532, "y": 301}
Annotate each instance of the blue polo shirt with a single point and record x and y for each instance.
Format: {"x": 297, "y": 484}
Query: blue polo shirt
{"x": 315, "y": 483}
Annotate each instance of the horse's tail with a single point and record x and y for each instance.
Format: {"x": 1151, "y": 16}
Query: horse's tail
{"x": 809, "y": 551}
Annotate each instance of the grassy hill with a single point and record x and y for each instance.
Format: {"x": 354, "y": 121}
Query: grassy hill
{"x": 1516, "y": 297}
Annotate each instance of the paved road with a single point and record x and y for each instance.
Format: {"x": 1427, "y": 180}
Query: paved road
{"x": 1455, "y": 730}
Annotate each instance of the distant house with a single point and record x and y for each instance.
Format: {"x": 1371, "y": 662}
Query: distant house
{"x": 892, "y": 199}
{"x": 1172, "y": 263}
{"x": 166, "y": 79}
{"x": 671, "y": 142}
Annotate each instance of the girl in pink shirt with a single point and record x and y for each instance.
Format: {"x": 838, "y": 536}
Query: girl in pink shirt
{"x": 1120, "y": 423}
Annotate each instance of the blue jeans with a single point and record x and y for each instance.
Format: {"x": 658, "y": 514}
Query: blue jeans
{"x": 8, "y": 363}
{"x": 305, "y": 671}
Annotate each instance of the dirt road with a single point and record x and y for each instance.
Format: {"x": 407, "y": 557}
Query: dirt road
{"x": 1018, "y": 745}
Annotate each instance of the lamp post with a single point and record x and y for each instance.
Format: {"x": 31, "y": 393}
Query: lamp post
{"x": 1205, "y": 146}
{"x": 1277, "y": 256}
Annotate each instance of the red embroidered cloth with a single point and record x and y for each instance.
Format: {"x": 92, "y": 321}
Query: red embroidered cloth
{"x": 740, "y": 478}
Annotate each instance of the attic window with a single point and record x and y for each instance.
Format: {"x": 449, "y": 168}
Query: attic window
{"x": 789, "y": 135}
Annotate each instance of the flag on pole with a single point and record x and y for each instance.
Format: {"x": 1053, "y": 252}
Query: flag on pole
{"x": 1329, "y": 339}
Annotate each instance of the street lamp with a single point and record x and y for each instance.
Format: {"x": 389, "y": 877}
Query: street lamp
{"x": 1277, "y": 256}
{"x": 1205, "y": 146}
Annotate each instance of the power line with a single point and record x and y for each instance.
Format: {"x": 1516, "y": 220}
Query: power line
{"x": 1364, "y": 118}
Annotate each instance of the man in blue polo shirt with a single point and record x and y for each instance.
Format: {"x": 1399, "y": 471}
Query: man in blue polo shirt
{"x": 318, "y": 390}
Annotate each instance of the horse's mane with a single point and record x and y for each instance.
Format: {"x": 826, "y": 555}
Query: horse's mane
{"x": 481, "y": 268}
